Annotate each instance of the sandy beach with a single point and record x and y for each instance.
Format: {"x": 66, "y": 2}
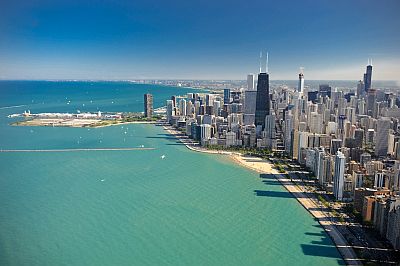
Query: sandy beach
{"x": 299, "y": 192}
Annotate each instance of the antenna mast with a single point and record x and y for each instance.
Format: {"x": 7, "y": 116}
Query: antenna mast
{"x": 266, "y": 65}
{"x": 260, "y": 60}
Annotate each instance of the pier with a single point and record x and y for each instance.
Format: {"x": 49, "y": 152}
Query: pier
{"x": 78, "y": 150}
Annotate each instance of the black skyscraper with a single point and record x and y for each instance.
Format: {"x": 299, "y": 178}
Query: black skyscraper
{"x": 368, "y": 77}
{"x": 262, "y": 99}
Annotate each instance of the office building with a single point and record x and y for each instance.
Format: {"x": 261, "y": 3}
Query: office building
{"x": 368, "y": 77}
{"x": 227, "y": 96}
{"x": 251, "y": 82}
{"x": 262, "y": 99}
{"x": 382, "y": 137}
{"x": 338, "y": 178}
{"x": 170, "y": 110}
{"x": 148, "y": 105}
{"x": 300, "y": 86}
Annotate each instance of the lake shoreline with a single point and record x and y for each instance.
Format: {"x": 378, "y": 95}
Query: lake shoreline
{"x": 264, "y": 166}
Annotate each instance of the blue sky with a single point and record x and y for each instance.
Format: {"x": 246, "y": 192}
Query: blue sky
{"x": 198, "y": 39}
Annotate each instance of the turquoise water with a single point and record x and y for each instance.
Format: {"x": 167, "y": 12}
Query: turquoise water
{"x": 132, "y": 207}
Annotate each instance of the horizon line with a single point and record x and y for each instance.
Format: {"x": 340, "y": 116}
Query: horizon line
{"x": 186, "y": 79}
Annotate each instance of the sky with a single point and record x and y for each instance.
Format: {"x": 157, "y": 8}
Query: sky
{"x": 68, "y": 39}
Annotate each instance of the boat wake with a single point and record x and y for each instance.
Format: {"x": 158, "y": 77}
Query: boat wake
{"x": 14, "y": 106}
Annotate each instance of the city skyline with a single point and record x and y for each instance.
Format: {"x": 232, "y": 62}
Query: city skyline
{"x": 179, "y": 40}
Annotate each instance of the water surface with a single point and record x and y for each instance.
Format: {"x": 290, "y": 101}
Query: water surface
{"x": 133, "y": 207}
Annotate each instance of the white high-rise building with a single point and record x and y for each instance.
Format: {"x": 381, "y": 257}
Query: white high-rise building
{"x": 182, "y": 107}
{"x": 288, "y": 133}
{"x": 303, "y": 143}
{"x": 338, "y": 178}
{"x": 300, "y": 87}
{"x": 251, "y": 82}
{"x": 205, "y": 132}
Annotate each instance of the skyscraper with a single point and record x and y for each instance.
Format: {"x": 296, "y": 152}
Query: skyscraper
{"x": 368, "y": 77}
{"x": 170, "y": 110}
{"x": 338, "y": 178}
{"x": 227, "y": 96}
{"x": 148, "y": 105}
{"x": 382, "y": 136}
{"x": 300, "y": 87}
{"x": 288, "y": 133}
{"x": 262, "y": 99}
{"x": 182, "y": 107}
{"x": 325, "y": 90}
{"x": 249, "y": 107}
{"x": 360, "y": 89}
{"x": 250, "y": 82}
{"x": 270, "y": 126}
{"x": 371, "y": 99}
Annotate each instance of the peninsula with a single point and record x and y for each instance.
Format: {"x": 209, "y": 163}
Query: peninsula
{"x": 80, "y": 119}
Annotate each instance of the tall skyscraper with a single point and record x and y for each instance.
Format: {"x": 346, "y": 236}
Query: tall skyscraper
{"x": 148, "y": 105}
{"x": 262, "y": 98}
{"x": 382, "y": 136}
{"x": 368, "y": 77}
{"x": 300, "y": 87}
{"x": 338, "y": 178}
{"x": 250, "y": 82}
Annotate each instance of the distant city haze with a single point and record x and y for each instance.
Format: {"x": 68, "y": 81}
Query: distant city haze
{"x": 116, "y": 40}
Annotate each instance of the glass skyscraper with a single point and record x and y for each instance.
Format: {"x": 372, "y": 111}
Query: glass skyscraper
{"x": 368, "y": 78}
{"x": 262, "y": 99}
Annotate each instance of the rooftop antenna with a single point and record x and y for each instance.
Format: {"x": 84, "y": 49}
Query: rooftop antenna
{"x": 301, "y": 70}
{"x": 266, "y": 64}
{"x": 370, "y": 62}
{"x": 260, "y": 60}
